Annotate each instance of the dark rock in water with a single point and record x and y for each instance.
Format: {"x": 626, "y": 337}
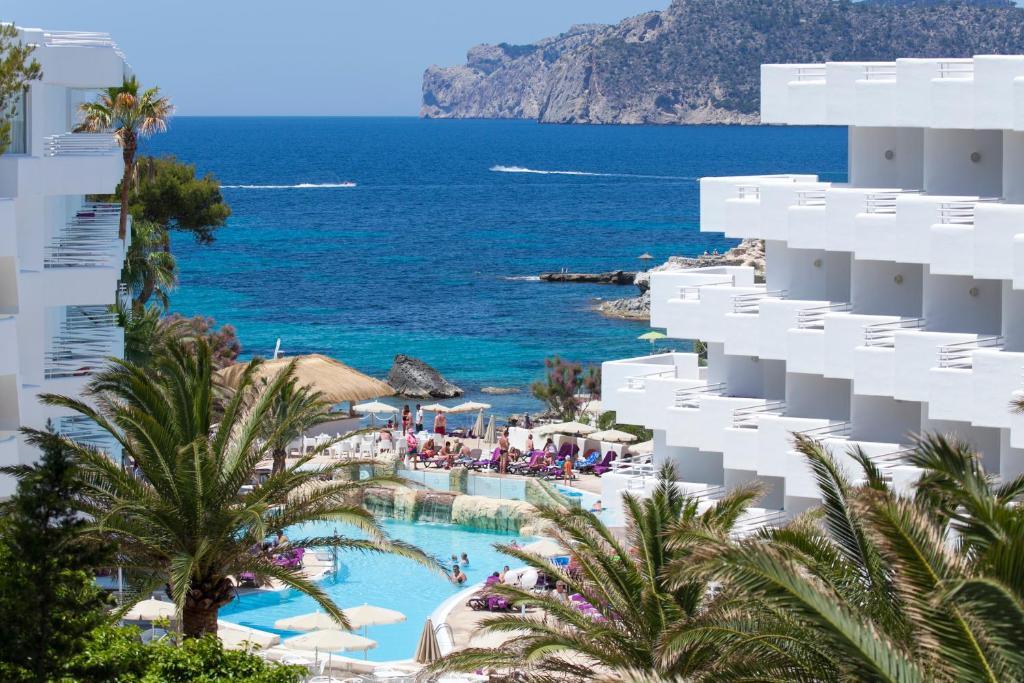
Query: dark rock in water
{"x": 413, "y": 378}
{"x": 613, "y": 277}
{"x": 500, "y": 391}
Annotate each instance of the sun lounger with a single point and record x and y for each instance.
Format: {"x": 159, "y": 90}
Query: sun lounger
{"x": 532, "y": 465}
{"x": 589, "y": 466}
{"x": 488, "y": 463}
{"x": 605, "y": 464}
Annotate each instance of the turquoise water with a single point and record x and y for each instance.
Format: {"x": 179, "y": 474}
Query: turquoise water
{"x": 431, "y": 251}
{"x": 384, "y": 581}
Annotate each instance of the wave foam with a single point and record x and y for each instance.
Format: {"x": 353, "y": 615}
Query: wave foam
{"x": 522, "y": 278}
{"x": 299, "y": 186}
{"x": 522, "y": 169}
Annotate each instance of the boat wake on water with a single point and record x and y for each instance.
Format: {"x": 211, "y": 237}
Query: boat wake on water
{"x": 521, "y": 169}
{"x": 298, "y": 186}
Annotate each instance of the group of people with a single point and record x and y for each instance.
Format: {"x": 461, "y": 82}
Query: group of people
{"x": 458, "y": 575}
{"x": 414, "y": 422}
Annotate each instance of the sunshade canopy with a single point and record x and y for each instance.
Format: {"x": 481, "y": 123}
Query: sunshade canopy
{"x": 428, "y": 650}
{"x": 642, "y": 448}
{"x": 235, "y": 636}
{"x": 374, "y": 407}
{"x": 546, "y": 547}
{"x": 436, "y": 408}
{"x": 371, "y": 615}
{"x": 331, "y": 640}
{"x": 653, "y": 335}
{"x": 612, "y": 436}
{"x": 646, "y": 256}
{"x": 469, "y": 407}
{"x": 307, "y": 622}
{"x": 150, "y": 610}
{"x": 335, "y": 380}
{"x": 570, "y": 428}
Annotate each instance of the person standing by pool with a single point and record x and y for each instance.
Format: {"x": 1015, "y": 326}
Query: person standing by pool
{"x": 406, "y": 419}
{"x": 440, "y": 424}
{"x": 567, "y": 468}
{"x": 411, "y": 444}
{"x": 419, "y": 418}
{"x": 529, "y": 444}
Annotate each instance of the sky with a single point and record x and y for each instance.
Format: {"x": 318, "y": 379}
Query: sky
{"x": 308, "y": 57}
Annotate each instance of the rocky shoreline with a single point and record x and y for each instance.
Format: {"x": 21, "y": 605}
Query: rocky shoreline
{"x": 746, "y": 253}
{"x": 612, "y": 277}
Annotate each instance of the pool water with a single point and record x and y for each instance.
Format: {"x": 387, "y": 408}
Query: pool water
{"x": 382, "y": 580}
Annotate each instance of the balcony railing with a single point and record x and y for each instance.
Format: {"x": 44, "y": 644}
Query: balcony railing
{"x": 750, "y": 524}
{"x": 82, "y": 430}
{"x": 82, "y": 343}
{"x": 813, "y": 318}
{"x": 639, "y": 382}
{"x": 746, "y": 418}
{"x": 811, "y": 74}
{"x": 880, "y": 72}
{"x": 884, "y": 334}
{"x": 960, "y": 355}
{"x": 89, "y": 240}
{"x": 956, "y": 69}
{"x": 690, "y": 397}
{"x": 79, "y": 144}
{"x": 81, "y": 39}
{"x": 810, "y": 198}
{"x": 960, "y": 213}
{"x": 751, "y": 303}
{"x": 748, "y": 191}
{"x": 692, "y": 292}
{"x": 833, "y": 430}
{"x": 884, "y": 202}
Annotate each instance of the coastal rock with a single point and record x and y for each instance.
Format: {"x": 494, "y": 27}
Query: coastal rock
{"x": 749, "y": 252}
{"x": 500, "y": 391}
{"x": 699, "y": 62}
{"x": 495, "y": 514}
{"x": 613, "y": 277}
{"x": 412, "y": 378}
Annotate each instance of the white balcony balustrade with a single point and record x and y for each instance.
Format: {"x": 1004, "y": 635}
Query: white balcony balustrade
{"x": 83, "y": 342}
{"x": 82, "y": 430}
{"x": 750, "y": 304}
{"x": 79, "y": 144}
{"x": 960, "y": 355}
{"x": 88, "y": 240}
{"x": 749, "y": 417}
{"x": 691, "y": 397}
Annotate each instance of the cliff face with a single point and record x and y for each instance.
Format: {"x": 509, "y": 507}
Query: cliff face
{"x": 698, "y": 61}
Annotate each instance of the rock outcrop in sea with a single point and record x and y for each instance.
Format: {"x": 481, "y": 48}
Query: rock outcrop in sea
{"x": 611, "y": 277}
{"x": 747, "y": 253}
{"x": 412, "y": 378}
{"x": 698, "y": 61}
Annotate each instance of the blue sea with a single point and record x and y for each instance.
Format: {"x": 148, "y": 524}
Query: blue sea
{"x": 363, "y": 238}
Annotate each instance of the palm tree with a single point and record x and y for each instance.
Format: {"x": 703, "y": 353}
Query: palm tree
{"x": 184, "y": 522}
{"x": 873, "y": 586}
{"x": 626, "y": 584}
{"x": 130, "y": 115}
{"x": 294, "y": 410}
{"x": 149, "y": 270}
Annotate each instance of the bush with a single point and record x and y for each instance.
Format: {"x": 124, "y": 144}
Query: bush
{"x": 116, "y": 654}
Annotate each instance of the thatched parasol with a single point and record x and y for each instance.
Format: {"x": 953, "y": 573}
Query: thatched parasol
{"x": 335, "y": 380}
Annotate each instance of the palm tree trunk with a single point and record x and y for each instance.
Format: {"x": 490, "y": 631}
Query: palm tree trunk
{"x": 128, "y": 155}
{"x": 279, "y": 460}
{"x": 202, "y": 603}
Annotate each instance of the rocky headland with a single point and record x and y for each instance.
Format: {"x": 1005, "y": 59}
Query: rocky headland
{"x": 412, "y": 378}
{"x": 612, "y": 277}
{"x": 698, "y": 61}
{"x": 746, "y": 253}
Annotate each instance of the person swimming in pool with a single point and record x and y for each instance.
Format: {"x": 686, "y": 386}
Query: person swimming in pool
{"x": 458, "y": 576}
{"x": 465, "y": 560}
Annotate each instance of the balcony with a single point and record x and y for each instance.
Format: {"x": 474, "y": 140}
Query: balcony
{"x": 640, "y": 390}
{"x": 79, "y": 145}
{"x": 979, "y": 93}
{"x": 82, "y": 430}
{"x": 88, "y": 240}
{"x": 750, "y": 206}
{"x": 82, "y": 342}
{"x": 690, "y": 304}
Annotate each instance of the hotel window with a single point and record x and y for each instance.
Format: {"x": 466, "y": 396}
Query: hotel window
{"x": 16, "y": 114}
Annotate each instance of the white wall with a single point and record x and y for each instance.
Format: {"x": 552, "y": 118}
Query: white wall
{"x": 884, "y": 288}
{"x": 817, "y": 396}
{"x": 949, "y": 168}
{"x": 1013, "y": 316}
{"x": 1013, "y": 166}
{"x": 868, "y": 162}
{"x": 883, "y": 419}
{"x": 955, "y": 303}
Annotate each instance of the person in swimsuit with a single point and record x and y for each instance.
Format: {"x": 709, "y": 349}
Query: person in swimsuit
{"x": 458, "y": 577}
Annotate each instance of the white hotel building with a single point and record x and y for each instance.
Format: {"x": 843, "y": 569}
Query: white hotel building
{"x": 893, "y": 303}
{"x": 60, "y": 258}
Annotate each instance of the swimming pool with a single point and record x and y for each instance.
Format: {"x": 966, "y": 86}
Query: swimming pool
{"x": 384, "y": 581}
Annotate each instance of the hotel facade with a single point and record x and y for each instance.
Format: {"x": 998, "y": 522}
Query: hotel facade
{"x": 60, "y": 258}
{"x": 893, "y": 304}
